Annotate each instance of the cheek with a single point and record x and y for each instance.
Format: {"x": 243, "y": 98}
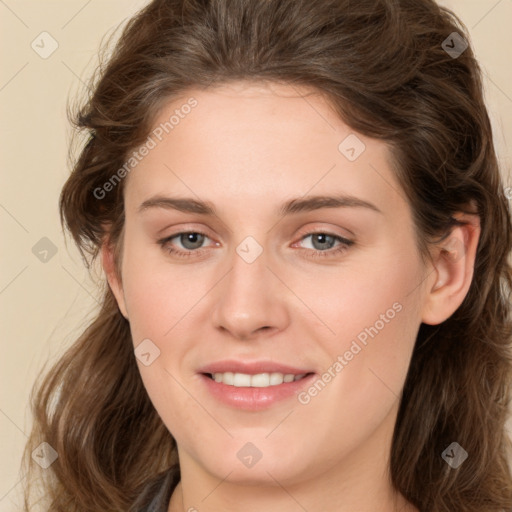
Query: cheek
{"x": 368, "y": 297}
{"x": 158, "y": 295}
{"x": 373, "y": 316}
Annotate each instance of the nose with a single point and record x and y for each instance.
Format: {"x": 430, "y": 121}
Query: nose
{"x": 251, "y": 300}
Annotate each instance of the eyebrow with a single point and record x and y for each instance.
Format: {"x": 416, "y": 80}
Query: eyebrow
{"x": 297, "y": 205}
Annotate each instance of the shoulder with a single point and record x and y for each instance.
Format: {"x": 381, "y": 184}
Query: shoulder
{"x": 156, "y": 494}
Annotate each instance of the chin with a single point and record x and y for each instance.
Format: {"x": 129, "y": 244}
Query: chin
{"x": 286, "y": 470}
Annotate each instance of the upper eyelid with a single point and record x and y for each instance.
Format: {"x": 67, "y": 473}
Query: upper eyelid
{"x": 304, "y": 232}
{"x": 167, "y": 239}
{"x": 341, "y": 239}
{"x": 320, "y": 231}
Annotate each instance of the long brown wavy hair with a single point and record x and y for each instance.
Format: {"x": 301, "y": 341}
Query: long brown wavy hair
{"x": 384, "y": 68}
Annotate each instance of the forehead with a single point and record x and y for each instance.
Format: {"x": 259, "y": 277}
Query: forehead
{"x": 251, "y": 140}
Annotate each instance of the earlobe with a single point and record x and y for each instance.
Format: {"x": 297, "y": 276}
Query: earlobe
{"x": 113, "y": 279}
{"x": 454, "y": 261}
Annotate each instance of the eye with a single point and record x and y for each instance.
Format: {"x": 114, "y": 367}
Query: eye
{"x": 321, "y": 241}
{"x": 190, "y": 241}
{"x": 323, "y": 244}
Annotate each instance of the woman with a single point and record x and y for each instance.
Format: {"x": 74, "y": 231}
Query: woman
{"x": 300, "y": 217}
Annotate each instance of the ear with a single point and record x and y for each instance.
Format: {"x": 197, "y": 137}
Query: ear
{"x": 454, "y": 261}
{"x": 114, "y": 280}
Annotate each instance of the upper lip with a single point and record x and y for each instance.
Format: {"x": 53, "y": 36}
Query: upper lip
{"x": 251, "y": 367}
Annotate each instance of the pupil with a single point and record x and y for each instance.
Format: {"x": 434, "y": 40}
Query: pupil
{"x": 192, "y": 240}
{"x": 323, "y": 238}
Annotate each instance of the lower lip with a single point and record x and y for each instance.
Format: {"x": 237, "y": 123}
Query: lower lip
{"x": 254, "y": 399}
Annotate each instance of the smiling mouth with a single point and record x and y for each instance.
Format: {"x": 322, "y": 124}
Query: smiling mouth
{"x": 259, "y": 380}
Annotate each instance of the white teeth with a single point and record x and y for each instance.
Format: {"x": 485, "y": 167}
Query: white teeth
{"x": 260, "y": 380}
{"x": 241, "y": 380}
{"x": 276, "y": 378}
{"x": 228, "y": 378}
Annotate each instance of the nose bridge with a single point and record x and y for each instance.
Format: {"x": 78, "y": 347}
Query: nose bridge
{"x": 248, "y": 299}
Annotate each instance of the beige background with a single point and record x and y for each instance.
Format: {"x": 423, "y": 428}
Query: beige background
{"x": 43, "y": 305}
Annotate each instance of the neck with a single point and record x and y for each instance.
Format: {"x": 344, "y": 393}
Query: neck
{"x": 285, "y": 499}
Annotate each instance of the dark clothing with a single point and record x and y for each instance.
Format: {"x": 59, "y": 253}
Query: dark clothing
{"x": 157, "y": 494}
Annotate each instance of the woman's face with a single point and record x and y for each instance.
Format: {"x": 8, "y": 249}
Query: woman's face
{"x": 307, "y": 265}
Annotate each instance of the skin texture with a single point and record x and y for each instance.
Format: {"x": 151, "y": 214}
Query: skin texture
{"x": 247, "y": 148}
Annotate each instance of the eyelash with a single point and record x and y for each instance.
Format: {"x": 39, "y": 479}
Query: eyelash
{"x": 344, "y": 245}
